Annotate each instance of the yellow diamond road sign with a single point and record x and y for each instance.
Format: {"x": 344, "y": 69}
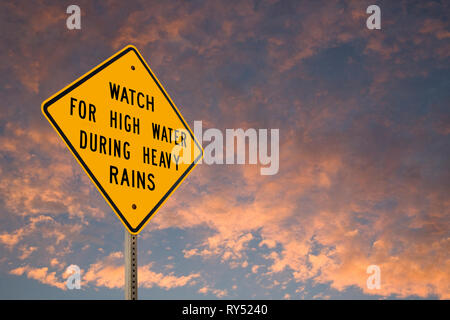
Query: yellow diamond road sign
{"x": 127, "y": 134}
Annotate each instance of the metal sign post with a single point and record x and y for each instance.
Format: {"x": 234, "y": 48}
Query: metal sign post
{"x": 131, "y": 276}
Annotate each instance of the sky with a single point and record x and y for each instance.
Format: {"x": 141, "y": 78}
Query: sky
{"x": 364, "y": 123}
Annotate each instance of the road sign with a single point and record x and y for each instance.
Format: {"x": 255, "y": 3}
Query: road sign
{"x": 127, "y": 134}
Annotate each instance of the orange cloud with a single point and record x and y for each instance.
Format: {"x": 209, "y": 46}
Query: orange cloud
{"x": 349, "y": 246}
{"x": 109, "y": 273}
{"x": 40, "y": 274}
{"x": 217, "y": 292}
{"x": 43, "y": 186}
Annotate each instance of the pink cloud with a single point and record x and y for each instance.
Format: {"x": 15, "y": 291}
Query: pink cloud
{"x": 217, "y": 292}
{"x": 109, "y": 272}
{"x": 40, "y": 274}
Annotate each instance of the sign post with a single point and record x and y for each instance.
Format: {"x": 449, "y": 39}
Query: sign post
{"x": 131, "y": 269}
{"x": 129, "y": 137}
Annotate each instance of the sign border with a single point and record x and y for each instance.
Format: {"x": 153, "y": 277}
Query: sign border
{"x": 47, "y": 103}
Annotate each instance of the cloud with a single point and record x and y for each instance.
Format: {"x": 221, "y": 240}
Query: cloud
{"x": 348, "y": 220}
{"x": 109, "y": 272}
{"x": 436, "y": 28}
{"x": 11, "y": 239}
{"x": 217, "y": 292}
{"x": 26, "y": 252}
{"x": 34, "y": 183}
{"x": 149, "y": 278}
{"x": 40, "y": 274}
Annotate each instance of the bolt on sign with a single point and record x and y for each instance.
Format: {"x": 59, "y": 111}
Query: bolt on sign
{"x": 127, "y": 134}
